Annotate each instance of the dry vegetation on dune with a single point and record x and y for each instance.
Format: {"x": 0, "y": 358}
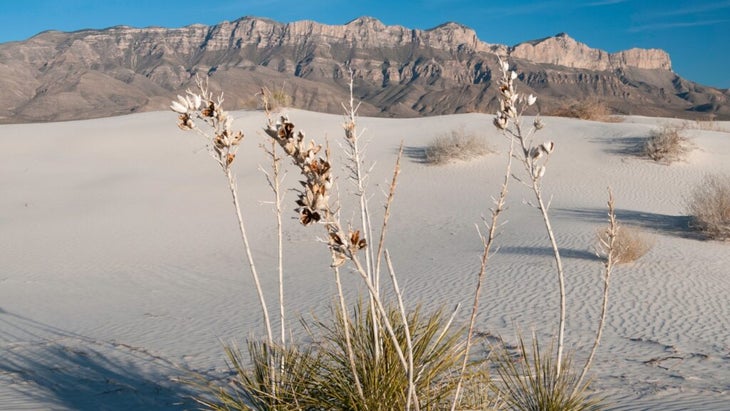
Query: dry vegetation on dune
{"x": 630, "y": 244}
{"x": 590, "y": 109}
{"x": 455, "y": 145}
{"x": 667, "y": 144}
{"x": 709, "y": 207}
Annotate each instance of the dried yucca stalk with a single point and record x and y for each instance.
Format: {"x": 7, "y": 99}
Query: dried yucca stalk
{"x": 534, "y": 158}
{"x": 222, "y": 142}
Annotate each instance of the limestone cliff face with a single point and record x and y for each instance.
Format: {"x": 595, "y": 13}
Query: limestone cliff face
{"x": 398, "y": 71}
{"x": 562, "y": 50}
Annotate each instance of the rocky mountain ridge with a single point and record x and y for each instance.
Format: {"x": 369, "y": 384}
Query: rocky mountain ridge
{"x": 398, "y": 71}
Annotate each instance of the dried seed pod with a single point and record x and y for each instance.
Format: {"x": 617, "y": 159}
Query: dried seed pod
{"x": 539, "y": 172}
{"x": 178, "y": 107}
{"x": 548, "y": 147}
{"x": 335, "y": 239}
{"x": 500, "y": 121}
{"x": 208, "y": 111}
{"x": 338, "y": 259}
{"x": 308, "y": 216}
{"x": 535, "y": 153}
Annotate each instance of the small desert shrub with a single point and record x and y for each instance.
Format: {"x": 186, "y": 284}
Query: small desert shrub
{"x": 531, "y": 381}
{"x": 709, "y": 207}
{"x": 591, "y": 109}
{"x": 274, "y": 100}
{"x": 629, "y": 244}
{"x": 667, "y": 144}
{"x": 455, "y": 145}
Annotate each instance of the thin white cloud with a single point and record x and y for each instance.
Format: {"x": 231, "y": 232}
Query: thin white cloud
{"x": 537, "y": 7}
{"x": 605, "y": 3}
{"x": 676, "y": 25}
{"x": 695, "y": 9}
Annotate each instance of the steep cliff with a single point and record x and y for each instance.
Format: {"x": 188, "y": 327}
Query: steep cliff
{"x": 562, "y": 50}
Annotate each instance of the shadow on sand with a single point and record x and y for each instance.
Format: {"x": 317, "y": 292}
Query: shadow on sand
{"x": 47, "y": 368}
{"x": 548, "y": 252}
{"x": 416, "y": 154}
{"x": 678, "y": 226}
{"x": 624, "y": 146}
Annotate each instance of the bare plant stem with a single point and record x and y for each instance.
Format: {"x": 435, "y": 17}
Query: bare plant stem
{"x": 533, "y": 170}
{"x": 249, "y": 256}
{"x": 409, "y": 343}
{"x": 358, "y": 178}
{"x": 276, "y": 187}
{"x": 561, "y": 274}
{"x": 348, "y": 339}
{"x": 488, "y": 241}
{"x": 386, "y": 215}
{"x": 609, "y": 246}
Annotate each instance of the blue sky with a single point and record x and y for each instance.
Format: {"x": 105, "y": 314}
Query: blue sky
{"x": 695, "y": 33}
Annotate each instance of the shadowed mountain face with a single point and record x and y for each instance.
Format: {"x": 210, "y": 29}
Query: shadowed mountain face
{"x": 398, "y": 71}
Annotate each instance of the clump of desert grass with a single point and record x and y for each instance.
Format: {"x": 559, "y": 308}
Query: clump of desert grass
{"x": 275, "y": 100}
{"x": 589, "y": 109}
{"x": 532, "y": 380}
{"x": 292, "y": 370}
{"x": 630, "y": 244}
{"x": 455, "y": 145}
{"x": 667, "y": 144}
{"x": 709, "y": 207}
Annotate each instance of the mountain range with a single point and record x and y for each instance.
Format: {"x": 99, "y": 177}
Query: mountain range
{"x": 397, "y": 71}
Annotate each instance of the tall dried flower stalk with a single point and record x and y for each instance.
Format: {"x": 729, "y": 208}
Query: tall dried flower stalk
{"x": 534, "y": 158}
{"x": 487, "y": 242}
{"x": 274, "y": 180}
{"x": 358, "y": 178}
{"x": 314, "y": 207}
{"x": 222, "y": 144}
{"x": 608, "y": 245}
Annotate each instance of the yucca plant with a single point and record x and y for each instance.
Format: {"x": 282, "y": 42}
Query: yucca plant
{"x": 532, "y": 381}
{"x": 437, "y": 354}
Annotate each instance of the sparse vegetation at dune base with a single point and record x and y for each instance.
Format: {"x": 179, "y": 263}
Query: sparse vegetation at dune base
{"x": 709, "y": 207}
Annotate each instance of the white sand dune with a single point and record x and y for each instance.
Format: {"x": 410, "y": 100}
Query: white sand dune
{"x": 121, "y": 266}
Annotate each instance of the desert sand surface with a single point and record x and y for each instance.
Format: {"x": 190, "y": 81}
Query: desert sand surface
{"x": 121, "y": 267}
